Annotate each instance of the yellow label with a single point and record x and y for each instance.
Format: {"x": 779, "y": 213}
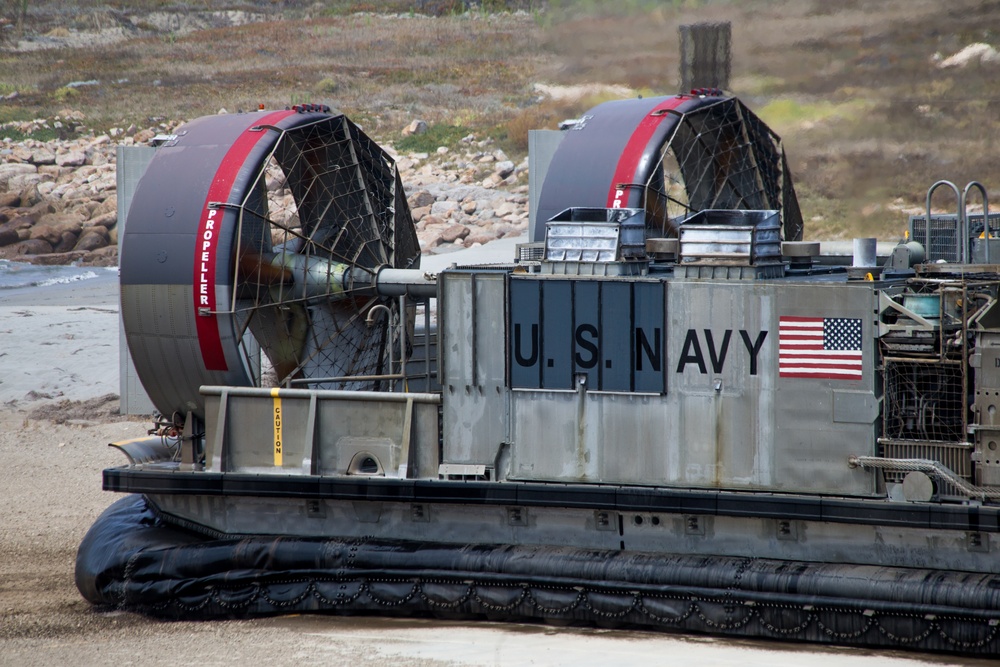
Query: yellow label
{"x": 277, "y": 426}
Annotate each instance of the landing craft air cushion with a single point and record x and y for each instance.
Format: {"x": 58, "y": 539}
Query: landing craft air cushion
{"x": 667, "y": 411}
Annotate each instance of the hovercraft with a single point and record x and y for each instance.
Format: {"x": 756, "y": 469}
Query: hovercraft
{"x": 667, "y": 411}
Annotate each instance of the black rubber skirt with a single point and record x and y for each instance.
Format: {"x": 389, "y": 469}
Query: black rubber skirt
{"x": 132, "y": 559}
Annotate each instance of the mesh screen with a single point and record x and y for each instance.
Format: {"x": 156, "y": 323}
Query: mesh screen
{"x": 721, "y": 157}
{"x": 324, "y": 212}
{"x": 924, "y": 401}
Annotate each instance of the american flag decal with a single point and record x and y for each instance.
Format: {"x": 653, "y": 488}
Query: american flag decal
{"x": 819, "y": 347}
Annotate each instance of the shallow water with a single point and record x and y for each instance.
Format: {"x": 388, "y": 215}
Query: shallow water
{"x": 19, "y": 275}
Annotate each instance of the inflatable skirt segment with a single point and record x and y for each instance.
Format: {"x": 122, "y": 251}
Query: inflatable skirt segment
{"x": 131, "y": 559}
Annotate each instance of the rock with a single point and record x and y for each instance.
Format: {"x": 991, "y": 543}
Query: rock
{"x": 70, "y": 219}
{"x": 444, "y": 209}
{"x": 430, "y": 241}
{"x": 469, "y": 206}
{"x": 420, "y": 213}
{"x": 11, "y": 199}
{"x": 505, "y": 209}
{"x": 106, "y": 220}
{"x": 42, "y": 156}
{"x": 416, "y": 127}
{"x": 19, "y": 182}
{"x": 44, "y": 189}
{"x": 33, "y": 247}
{"x": 480, "y": 237}
{"x": 433, "y": 221}
{"x": 55, "y": 259}
{"x": 20, "y": 222}
{"x": 51, "y": 228}
{"x": 504, "y": 168}
{"x": 9, "y": 237}
{"x": 420, "y": 199}
{"x": 71, "y": 158}
{"x": 454, "y": 233}
{"x": 91, "y": 240}
{"x": 502, "y": 230}
{"x": 12, "y": 169}
{"x": 66, "y": 243}
{"x": 106, "y": 256}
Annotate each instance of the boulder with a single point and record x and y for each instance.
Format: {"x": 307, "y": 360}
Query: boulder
{"x": 9, "y": 169}
{"x": 504, "y": 168}
{"x": 19, "y": 182}
{"x": 23, "y": 221}
{"x": 480, "y": 237}
{"x": 91, "y": 240}
{"x": 66, "y": 243}
{"x": 9, "y": 237}
{"x": 71, "y": 158}
{"x": 454, "y": 233}
{"x": 33, "y": 247}
{"x": 420, "y": 213}
{"x": 56, "y": 259}
{"x": 444, "y": 209}
{"x": 106, "y": 220}
{"x": 416, "y": 127}
{"x": 42, "y": 156}
{"x": 429, "y": 241}
{"x": 420, "y": 199}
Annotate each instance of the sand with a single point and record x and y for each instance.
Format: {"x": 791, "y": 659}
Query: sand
{"x": 58, "y": 391}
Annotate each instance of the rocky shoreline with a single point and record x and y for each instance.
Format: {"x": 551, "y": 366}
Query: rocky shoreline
{"x": 59, "y": 202}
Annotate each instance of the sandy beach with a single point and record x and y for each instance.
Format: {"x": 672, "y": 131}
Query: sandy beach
{"x": 58, "y": 389}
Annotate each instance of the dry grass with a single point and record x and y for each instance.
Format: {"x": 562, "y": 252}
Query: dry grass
{"x": 866, "y": 116}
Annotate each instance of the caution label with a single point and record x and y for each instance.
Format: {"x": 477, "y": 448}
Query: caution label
{"x": 276, "y": 410}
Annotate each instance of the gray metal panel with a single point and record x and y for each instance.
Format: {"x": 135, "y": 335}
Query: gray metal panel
{"x": 473, "y": 366}
{"x": 807, "y": 445}
{"x": 159, "y": 326}
{"x": 556, "y": 333}
{"x": 131, "y": 163}
{"x": 321, "y": 440}
{"x": 611, "y": 331}
{"x": 524, "y": 334}
{"x": 542, "y": 145}
{"x": 587, "y": 331}
{"x": 650, "y": 337}
{"x": 729, "y": 419}
{"x": 616, "y": 347}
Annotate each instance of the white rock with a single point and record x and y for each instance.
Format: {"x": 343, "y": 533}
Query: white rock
{"x": 444, "y": 208}
{"x": 979, "y": 52}
{"x": 504, "y": 168}
{"x": 13, "y": 168}
{"x": 72, "y": 158}
{"x": 415, "y": 127}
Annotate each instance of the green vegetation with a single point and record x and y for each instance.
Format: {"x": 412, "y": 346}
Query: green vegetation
{"x": 435, "y": 136}
{"x": 37, "y": 134}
